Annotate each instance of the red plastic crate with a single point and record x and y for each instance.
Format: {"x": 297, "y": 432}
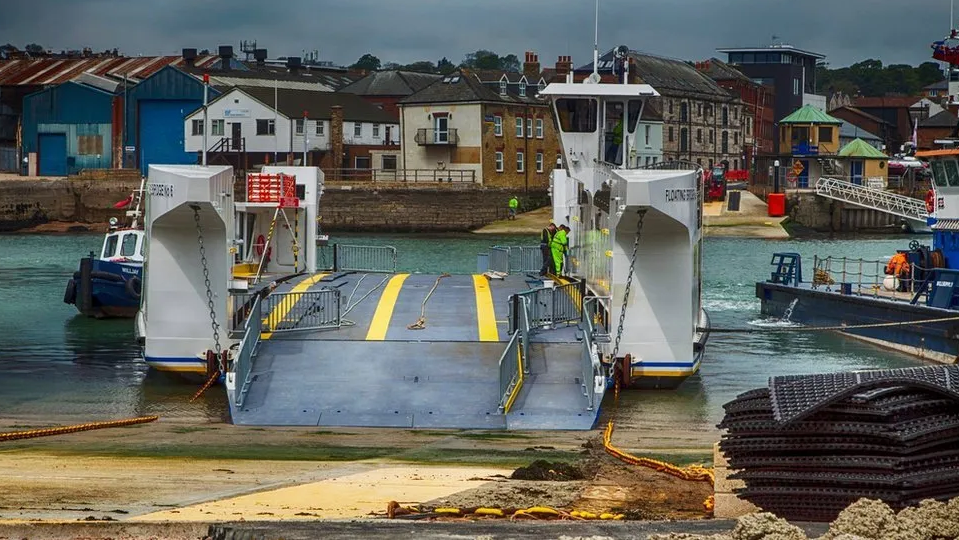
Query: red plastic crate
{"x": 271, "y": 188}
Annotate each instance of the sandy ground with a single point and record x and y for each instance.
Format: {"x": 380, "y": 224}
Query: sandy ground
{"x": 526, "y": 223}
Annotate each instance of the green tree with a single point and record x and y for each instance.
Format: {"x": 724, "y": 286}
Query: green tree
{"x": 423, "y": 66}
{"x": 445, "y": 67}
{"x": 482, "y": 59}
{"x": 872, "y": 78}
{"x": 33, "y": 48}
{"x": 510, "y": 63}
{"x": 367, "y": 62}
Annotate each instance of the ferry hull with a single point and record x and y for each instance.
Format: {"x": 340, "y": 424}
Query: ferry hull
{"x": 177, "y": 365}
{"x": 932, "y": 341}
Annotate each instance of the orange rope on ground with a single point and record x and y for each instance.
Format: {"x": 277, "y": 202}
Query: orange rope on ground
{"x": 34, "y": 433}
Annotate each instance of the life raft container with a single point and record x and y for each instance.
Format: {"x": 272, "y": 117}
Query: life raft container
{"x": 930, "y": 201}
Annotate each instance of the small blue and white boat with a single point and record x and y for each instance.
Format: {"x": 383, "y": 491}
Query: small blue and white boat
{"x": 109, "y": 284}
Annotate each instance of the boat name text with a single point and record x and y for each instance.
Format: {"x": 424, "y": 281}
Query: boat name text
{"x": 681, "y": 195}
{"x": 161, "y": 190}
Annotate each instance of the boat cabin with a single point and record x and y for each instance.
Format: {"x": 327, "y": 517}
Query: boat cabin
{"x": 124, "y": 245}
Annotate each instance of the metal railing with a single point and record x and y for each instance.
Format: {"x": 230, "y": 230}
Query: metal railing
{"x": 862, "y": 277}
{"x": 511, "y": 373}
{"x": 508, "y": 259}
{"x": 403, "y": 176}
{"x": 351, "y": 258}
{"x": 547, "y": 307}
{"x": 307, "y": 310}
{"x": 591, "y": 366}
{"x": 243, "y": 365}
{"x": 875, "y": 199}
{"x": 432, "y": 136}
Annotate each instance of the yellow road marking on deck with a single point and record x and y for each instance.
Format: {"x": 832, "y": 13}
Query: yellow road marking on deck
{"x": 283, "y": 308}
{"x": 384, "y": 310}
{"x": 485, "y": 314}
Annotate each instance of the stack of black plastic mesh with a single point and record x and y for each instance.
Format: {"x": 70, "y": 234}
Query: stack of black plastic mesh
{"x": 808, "y": 446}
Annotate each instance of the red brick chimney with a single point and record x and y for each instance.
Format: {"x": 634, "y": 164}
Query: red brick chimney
{"x": 564, "y": 65}
{"x": 336, "y": 140}
{"x": 531, "y": 67}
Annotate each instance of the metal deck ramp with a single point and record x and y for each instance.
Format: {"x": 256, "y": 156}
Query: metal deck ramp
{"x": 369, "y": 366}
{"x": 873, "y": 199}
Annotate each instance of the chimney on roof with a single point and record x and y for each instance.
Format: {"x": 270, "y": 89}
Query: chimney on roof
{"x": 260, "y": 56}
{"x": 189, "y": 56}
{"x": 531, "y": 67}
{"x": 564, "y": 65}
{"x": 226, "y": 55}
{"x": 336, "y": 139}
{"x": 293, "y": 63}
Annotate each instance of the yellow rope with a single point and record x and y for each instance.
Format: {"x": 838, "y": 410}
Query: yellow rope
{"x": 34, "y": 433}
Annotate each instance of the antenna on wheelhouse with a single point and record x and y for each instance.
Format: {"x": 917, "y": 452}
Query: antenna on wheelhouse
{"x": 596, "y": 43}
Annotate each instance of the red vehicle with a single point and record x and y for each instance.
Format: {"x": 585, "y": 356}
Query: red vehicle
{"x": 715, "y": 184}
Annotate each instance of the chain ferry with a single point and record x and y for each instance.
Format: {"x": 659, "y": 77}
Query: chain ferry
{"x": 240, "y": 286}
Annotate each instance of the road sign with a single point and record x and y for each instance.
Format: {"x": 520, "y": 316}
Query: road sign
{"x": 798, "y": 168}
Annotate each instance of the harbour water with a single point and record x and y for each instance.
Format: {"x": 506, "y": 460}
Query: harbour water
{"x": 60, "y": 367}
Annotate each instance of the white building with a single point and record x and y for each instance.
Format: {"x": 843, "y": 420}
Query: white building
{"x": 268, "y": 120}
{"x": 647, "y": 145}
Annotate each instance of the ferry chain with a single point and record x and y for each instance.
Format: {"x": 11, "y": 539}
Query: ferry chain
{"x": 209, "y": 297}
{"x": 836, "y": 328}
{"x": 35, "y": 433}
{"x": 629, "y": 282}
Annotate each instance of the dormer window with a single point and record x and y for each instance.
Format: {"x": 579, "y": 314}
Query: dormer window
{"x": 522, "y": 89}
{"x": 502, "y": 87}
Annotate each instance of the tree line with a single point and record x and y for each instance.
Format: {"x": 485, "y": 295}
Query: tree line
{"x": 870, "y": 78}
{"x": 481, "y": 59}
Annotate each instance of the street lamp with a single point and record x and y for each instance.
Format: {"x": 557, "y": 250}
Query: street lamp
{"x": 776, "y": 176}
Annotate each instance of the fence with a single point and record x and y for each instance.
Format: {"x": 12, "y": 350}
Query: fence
{"x": 243, "y": 364}
{"x": 549, "y": 306}
{"x": 403, "y": 176}
{"x": 347, "y": 258}
{"x": 863, "y": 277}
{"x": 511, "y": 373}
{"x": 308, "y": 310}
{"x": 508, "y": 259}
{"x": 8, "y": 159}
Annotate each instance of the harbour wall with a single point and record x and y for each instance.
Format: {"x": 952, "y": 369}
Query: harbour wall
{"x": 86, "y": 201}
{"x": 826, "y": 215}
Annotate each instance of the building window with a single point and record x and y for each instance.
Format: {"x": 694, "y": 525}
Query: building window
{"x": 669, "y": 104}
{"x": 499, "y": 162}
{"x": 519, "y": 127}
{"x": 735, "y": 164}
{"x": 709, "y": 109}
{"x": 699, "y": 109}
{"x": 539, "y": 128}
{"x": 725, "y": 142}
{"x": 749, "y": 126}
{"x": 357, "y": 129}
{"x": 655, "y": 159}
{"x": 266, "y": 127}
{"x": 389, "y": 163}
{"x": 376, "y": 131}
{"x": 670, "y": 133}
{"x": 796, "y": 83}
{"x": 198, "y": 127}
{"x": 362, "y": 162}
{"x": 825, "y": 134}
{"x": 736, "y": 138}
{"x": 319, "y": 127}
{"x": 648, "y": 129}
{"x": 712, "y": 136}
{"x": 520, "y": 162}
{"x": 502, "y": 87}
{"x": 736, "y": 113}
{"x": 683, "y": 140}
{"x": 699, "y": 135}
{"x": 522, "y": 89}
{"x": 539, "y": 162}
{"x": 498, "y": 126}
{"x": 683, "y": 112}
{"x": 725, "y": 116}
{"x": 216, "y": 128}
{"x": 299, "y": 126}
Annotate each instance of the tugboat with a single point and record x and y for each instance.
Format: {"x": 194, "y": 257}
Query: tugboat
{"x": 108, "y": 284}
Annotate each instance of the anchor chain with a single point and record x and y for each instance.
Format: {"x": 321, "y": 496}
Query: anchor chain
{"x": 629, "y": 282}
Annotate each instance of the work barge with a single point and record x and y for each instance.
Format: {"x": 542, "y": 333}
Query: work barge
{"x": 306, "y": 332}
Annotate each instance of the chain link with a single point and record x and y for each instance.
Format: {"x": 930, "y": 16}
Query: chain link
{"x": 206, "y": 281}
{"x": 629, "y": 283}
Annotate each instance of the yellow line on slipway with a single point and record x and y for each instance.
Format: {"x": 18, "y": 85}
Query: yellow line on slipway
{"x": 283, "y": 308}
{"x": 485, "y": 315}
{"x": 384, "y": 310}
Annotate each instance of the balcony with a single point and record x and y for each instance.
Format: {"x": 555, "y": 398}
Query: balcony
{"x": 435, "y": 137}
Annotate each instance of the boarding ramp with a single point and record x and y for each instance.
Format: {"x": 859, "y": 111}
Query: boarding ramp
{"x": 415, "y": 351}
{"x": 872, "y": 198}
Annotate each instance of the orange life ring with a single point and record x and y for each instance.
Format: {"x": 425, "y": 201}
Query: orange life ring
{"x": 930, "y": 201}
{"x": 260, "y": 245}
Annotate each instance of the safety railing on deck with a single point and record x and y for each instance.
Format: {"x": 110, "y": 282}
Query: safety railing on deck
{"x": 307, "y": 310}
{"x": 347, "y": 258}
{"x": 863, "y": 277}
{"x": 550, "y": 306}
{"x": 510, "y": 259}
{"x": 243, "y": 364}
{"x": 511, "y": 373}
{"x": 591, "y": 366}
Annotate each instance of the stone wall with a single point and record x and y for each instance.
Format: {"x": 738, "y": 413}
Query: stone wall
{"x": 86, "y": 199}
{"x": 417, "y": 208}
{"x": 826, "y": 215}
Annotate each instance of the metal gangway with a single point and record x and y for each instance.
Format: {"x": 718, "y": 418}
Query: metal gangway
{"x": 872, "y": 198}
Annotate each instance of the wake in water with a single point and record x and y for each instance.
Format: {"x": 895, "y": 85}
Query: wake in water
{"x": 781, "y": 322}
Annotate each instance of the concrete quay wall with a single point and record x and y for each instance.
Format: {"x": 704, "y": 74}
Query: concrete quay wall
{"x": 809, "y": 210}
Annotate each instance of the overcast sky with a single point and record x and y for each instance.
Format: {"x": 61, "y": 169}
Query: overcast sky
{"x": 404, "y": 31}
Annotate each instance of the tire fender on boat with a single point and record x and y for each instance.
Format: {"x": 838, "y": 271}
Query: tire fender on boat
{"x": 134, "y": 287}
{"x": 70, "y": 295}
{"x": 106, "y": 276}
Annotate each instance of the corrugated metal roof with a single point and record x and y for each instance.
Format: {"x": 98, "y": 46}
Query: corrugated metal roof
{"x": 227, "y": 81}
{"x": 861, "y": 149}
{"x": 807, "y": 114}
{"x": 49, "y": 71}
{"x": 849, "y": 130}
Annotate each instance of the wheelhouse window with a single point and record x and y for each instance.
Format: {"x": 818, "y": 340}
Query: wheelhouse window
{"x": 939, "y": 174}
{"x": 110, "y": 246}
{"x": 577, "y": 115}
{"x": 952, "y": 172}
{"x": 128, "y": 247}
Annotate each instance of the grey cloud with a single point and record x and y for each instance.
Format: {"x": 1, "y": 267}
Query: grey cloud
{"x": 846, "y": 31}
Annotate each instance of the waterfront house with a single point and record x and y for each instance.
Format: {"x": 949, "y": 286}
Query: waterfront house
{"x": 812, "y": 138}
{"x": 865, "y": 164}
{"x": 461, "y": 130}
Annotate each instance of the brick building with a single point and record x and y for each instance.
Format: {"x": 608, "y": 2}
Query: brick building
{"x": 944, "y": 125}
{"x": 759, "y": 115}
{"x": 463, "y": 130}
